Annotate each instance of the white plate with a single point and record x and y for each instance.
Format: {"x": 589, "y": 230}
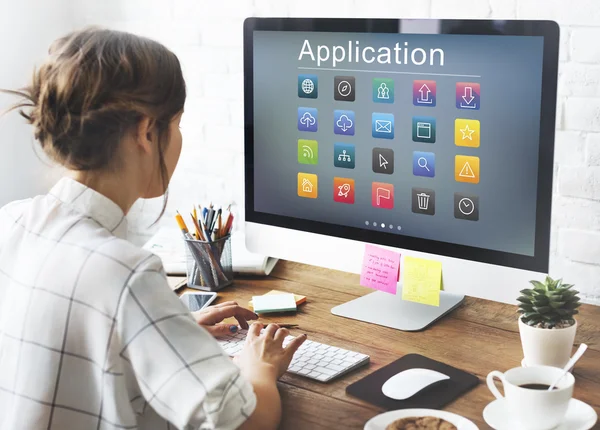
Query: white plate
{"x": 580, "y": 416}
{"x": 381, "y": 421}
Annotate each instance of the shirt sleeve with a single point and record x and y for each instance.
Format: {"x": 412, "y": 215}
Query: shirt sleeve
{"x": 183, "y": 373}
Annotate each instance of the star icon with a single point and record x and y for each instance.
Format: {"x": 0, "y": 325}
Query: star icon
{"x": 467, "y": 132}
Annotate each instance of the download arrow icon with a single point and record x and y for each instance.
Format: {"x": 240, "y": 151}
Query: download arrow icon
{"x": 468, "y": 97}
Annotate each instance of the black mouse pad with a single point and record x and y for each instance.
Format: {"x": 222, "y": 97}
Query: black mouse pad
{"x": 433, "y": 397}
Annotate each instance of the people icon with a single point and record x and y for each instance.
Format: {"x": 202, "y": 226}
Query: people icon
{"x": 383, "y": 92}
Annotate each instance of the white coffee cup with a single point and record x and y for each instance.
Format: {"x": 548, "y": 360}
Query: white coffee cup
{"x": 532, "y": 409}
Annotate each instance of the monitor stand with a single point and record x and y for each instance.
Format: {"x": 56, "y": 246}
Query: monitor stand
{"x": 391, "y": 311}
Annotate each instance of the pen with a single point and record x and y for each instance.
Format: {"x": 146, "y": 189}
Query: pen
{"x": 218, "y": 222}
{"x": 282, "y": 325}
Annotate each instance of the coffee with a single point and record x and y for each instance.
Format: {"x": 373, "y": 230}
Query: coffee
{"x": 542, "y": 387}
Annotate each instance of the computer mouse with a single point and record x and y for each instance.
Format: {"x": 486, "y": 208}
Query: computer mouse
{"x": 409, "y": 382}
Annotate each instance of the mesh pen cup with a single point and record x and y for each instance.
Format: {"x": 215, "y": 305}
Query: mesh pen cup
{"x": 208, "y": 264}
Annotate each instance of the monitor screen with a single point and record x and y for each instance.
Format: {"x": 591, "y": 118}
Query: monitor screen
{"x": 434, "y": 136}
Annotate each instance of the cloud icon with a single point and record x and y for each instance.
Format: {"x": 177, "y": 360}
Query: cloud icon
{"x": 307, "y": 119}
{"x": 344, "y": 123}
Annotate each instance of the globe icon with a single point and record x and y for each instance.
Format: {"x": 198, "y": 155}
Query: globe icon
{"x": 308, "y": 86}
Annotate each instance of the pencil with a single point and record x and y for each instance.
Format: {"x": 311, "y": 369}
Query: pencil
{"x": 197, "y": 226}
{"x": 182, "y": 225}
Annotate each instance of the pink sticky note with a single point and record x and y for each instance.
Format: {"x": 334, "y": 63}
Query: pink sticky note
{"x": 381, "y": 269}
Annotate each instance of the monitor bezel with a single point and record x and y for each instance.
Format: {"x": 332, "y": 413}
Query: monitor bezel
{"x": 549, "y": 30}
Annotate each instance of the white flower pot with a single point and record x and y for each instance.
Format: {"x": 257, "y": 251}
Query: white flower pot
{"x": 547, "y": 347}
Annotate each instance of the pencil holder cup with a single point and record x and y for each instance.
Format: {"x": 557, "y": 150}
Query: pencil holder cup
{"x": 208, "y": 264}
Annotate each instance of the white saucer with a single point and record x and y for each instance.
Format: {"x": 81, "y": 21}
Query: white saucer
{"x": 381, "y": 421}
{"x": 580, "y": 416}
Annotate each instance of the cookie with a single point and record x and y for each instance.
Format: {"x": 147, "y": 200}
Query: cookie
{"x": 420, "y": 423}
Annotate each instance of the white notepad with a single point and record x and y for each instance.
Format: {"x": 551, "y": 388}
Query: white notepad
{"x": 274, "y": 303}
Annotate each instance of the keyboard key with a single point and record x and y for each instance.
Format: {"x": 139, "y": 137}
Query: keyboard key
{"x": 325, "y": 371}
{"x": 335, "y": 368}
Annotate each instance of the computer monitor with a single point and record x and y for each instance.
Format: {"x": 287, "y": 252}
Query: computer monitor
{"x": 434, "y": 138}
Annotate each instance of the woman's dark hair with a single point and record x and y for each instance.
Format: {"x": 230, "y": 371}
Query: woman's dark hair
{"x": 95, "y": 86}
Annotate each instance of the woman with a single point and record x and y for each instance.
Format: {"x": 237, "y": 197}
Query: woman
{"x": 91, "y": 336}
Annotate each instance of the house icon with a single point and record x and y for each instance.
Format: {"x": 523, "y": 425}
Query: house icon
{"x": 307, "y": 186}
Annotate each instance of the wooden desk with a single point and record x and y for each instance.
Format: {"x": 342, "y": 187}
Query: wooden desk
{"x": 479, "y": 337}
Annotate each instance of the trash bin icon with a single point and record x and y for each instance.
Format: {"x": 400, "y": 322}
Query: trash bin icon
{"x": 423, "y": 201}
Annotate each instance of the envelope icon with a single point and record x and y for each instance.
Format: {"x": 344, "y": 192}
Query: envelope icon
{"x": 383, "y": 126}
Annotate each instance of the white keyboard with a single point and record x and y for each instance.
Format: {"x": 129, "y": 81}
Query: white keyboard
{"x": 313, "y": 360}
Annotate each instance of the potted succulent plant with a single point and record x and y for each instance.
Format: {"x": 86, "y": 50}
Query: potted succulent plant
{"x": 547, "y": 323}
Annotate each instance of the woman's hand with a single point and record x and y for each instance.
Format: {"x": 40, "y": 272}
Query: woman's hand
{"x": 263, "y": 354}
{"x": 211, "y": 317}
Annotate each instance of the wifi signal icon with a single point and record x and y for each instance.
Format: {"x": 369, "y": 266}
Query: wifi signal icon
{"x": 308, "y": 151}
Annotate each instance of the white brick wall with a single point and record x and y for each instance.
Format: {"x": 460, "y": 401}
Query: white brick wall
{"x": 207, "y": 36}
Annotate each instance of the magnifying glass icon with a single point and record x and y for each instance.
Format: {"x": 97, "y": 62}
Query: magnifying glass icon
{"x": 422, "y": 162}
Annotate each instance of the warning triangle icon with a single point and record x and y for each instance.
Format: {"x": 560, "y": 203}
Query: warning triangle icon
{"x": 467, "y": 171}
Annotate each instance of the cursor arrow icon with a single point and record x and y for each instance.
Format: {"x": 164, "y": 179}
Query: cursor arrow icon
{"x": 382, "y": 162}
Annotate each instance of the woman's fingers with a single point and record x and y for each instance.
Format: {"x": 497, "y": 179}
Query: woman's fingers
{"x": 254, "y": 330}
{"x": 220, "y": 305}
{"x": 271, "y": 330}
{"x": 294, "y": 344}
{"x": 280, "y": 335}
{"x": 239, "y": 313}
{"x": 218, "y": 330}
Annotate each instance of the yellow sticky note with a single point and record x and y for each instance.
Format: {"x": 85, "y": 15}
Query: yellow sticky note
{"x": 422, "y": 280}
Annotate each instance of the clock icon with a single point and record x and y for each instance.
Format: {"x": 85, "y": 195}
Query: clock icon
{"x": 466, "y": 206}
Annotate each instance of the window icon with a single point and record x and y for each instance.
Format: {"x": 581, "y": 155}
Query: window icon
{"x": 343, "y": 122}
{"x": 424, "y": 164}
{"x": 382, "y": 195}
{"x": 308, "y": 86}
{"x": 467, "y": 132}
{"x": 423, "y": 201}
{"x": 423, "y": 129}
{"x": 307, "y": 119}
{"x": 468, "y": 95}
{"x": 383, "y": 90}
{"x": 466, "y": 169}
{"x": 383, "y": 160}
{"x": 307, "y": 185}
{"x": 343, "y": 88}
{"x": 343, "y": 155}
{"x": 382, "y": 125}
{"x": 308, "y": 151}
{"x": 466, "y": 207}
{"x": 343, "y": 190}
{"x": 424, "y": 93}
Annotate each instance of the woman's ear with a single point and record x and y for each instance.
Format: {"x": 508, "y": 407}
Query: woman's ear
{"x": 146, "y": 134}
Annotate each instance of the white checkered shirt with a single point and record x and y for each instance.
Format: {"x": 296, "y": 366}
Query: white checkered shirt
{"x": 91, "y": 335}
